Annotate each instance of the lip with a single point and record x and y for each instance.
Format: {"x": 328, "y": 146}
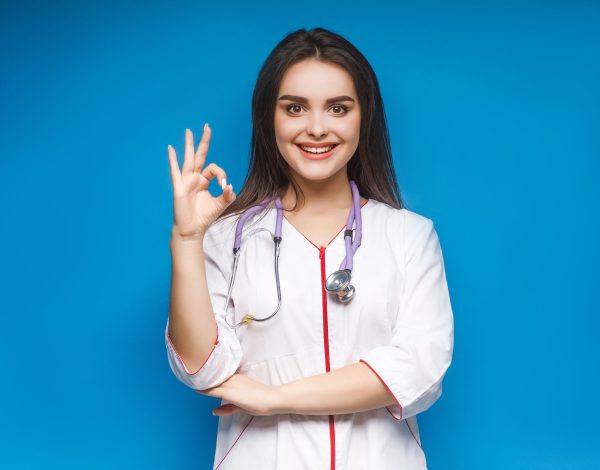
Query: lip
{"x": 318, "y": 156}
{"x": 318, "y": 145}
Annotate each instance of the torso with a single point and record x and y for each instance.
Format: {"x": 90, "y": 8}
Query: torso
{"x": 313, "y": 333}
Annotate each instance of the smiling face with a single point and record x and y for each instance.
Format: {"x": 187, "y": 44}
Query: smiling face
{"x": 317, "y": 108}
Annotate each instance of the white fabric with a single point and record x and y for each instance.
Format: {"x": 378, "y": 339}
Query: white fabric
{"x": 400, "y": 323}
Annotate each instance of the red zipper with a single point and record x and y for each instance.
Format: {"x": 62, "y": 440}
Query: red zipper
{"x": 326, "y": 344}
{"x": 326, "y": 329}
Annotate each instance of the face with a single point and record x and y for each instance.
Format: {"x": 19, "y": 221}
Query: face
{"x": 317, "y": 108}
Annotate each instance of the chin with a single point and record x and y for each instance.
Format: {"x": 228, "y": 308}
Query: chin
{"x": 321, "y": 172}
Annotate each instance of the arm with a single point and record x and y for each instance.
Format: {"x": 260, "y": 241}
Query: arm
{"x": 191, "y": 330}
{"x": 346, "y": 390}
{"x": 203, "y": 351}
{"x": 413, "y": 365}
{"x": 349, "y": 389}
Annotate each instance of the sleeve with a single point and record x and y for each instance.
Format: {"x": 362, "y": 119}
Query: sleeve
{"x": 413, "y": 365}
{"x": 226, "y": 355}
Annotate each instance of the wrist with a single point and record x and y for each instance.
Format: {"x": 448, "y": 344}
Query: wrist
{"x": 196, "y": 237}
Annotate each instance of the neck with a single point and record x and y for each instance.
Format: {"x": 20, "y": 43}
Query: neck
{"x": 321, "y": 196}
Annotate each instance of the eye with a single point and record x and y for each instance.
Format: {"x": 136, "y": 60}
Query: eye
{"x": 340, "y": 106}
{"x": 289, "y": 107}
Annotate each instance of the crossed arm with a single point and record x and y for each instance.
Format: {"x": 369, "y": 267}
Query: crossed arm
{"x": 349, "y": 389}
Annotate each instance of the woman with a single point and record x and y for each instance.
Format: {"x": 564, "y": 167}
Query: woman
{"x": 328, "y": 380}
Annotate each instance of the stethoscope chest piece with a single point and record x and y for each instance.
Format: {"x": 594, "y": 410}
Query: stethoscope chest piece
{"x": 339, "y": 283}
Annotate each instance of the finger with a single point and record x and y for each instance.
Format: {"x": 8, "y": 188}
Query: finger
{"x": 175, "y": 173}
{"x": 188, "y": 158}
{"x": 225, "y": 410}
{"x": 213, "y": 170}
{"x": 200, "y": 156}
{"x": 228, "y": 195}
{"x": 212, "y": 392}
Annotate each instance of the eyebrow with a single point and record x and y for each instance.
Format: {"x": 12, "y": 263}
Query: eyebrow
{"x": 303, "y": 100}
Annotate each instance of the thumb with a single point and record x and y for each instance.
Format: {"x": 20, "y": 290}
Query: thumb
{"x": 227, "y": 196}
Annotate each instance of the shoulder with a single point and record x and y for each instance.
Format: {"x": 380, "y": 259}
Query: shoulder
{"x": 400, "y": 221}
{"x": 411, "y": 234}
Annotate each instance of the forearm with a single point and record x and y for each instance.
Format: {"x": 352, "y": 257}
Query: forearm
{"x": 192, "y": 326}
{"x": 350, "y": 389}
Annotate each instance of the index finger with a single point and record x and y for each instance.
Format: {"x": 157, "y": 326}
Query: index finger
{"x": 188, "y": 156}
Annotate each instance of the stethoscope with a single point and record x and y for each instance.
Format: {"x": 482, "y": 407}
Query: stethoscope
{"x": 337, "y": 283}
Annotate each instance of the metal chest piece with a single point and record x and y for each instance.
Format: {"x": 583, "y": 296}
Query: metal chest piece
{"x": 339, "y": 283}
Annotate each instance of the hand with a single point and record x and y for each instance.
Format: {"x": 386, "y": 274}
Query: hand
{"x": 246, "y": 395}
{"x": 194, "y": 208}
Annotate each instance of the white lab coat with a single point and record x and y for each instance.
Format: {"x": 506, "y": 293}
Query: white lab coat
{"x": 400, "y": 324}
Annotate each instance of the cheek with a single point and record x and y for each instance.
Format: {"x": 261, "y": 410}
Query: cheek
{"x": 285, "y": 129}
{"x": 352, "y": 128}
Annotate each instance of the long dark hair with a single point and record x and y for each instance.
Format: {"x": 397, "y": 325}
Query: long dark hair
{"x": 371, "y": 166}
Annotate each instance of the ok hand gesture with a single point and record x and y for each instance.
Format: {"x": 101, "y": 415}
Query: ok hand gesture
{"x": 194, "y": 208}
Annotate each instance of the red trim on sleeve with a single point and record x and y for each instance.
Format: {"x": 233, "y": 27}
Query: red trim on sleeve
{"x": 382, "y": 381}
{"x": 181, "y": 360}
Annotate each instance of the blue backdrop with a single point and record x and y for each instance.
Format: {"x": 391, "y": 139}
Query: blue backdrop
{"x": 494, "y": 116}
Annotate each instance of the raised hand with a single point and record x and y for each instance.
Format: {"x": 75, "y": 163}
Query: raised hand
{"x": 194, "y": 208}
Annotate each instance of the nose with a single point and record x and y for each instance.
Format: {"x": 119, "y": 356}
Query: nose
{"x": 316, "y": 125}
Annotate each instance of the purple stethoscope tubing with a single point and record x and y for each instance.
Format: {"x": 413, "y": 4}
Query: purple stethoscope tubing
{"x": 338, "y": 282}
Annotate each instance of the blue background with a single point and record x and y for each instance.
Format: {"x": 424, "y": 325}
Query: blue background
{"x": 494, "y": 116}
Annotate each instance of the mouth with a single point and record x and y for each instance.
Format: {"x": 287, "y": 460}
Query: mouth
{"x": 317, "y": 153}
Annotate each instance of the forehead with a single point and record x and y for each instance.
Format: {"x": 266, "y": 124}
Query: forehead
{"x": 316, "y": 80}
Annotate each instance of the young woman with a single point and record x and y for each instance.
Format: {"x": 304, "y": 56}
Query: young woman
{"x": 333, "y": 327}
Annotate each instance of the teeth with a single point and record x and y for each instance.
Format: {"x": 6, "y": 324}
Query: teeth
{"x": 317, "y": 149}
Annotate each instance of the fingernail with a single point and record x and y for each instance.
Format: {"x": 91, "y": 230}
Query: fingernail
{"x": 223, "y": 183}
{"x": 231, "y": 186}
{"x": 213, "y": 413}
{"x": 205, "y": 125}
